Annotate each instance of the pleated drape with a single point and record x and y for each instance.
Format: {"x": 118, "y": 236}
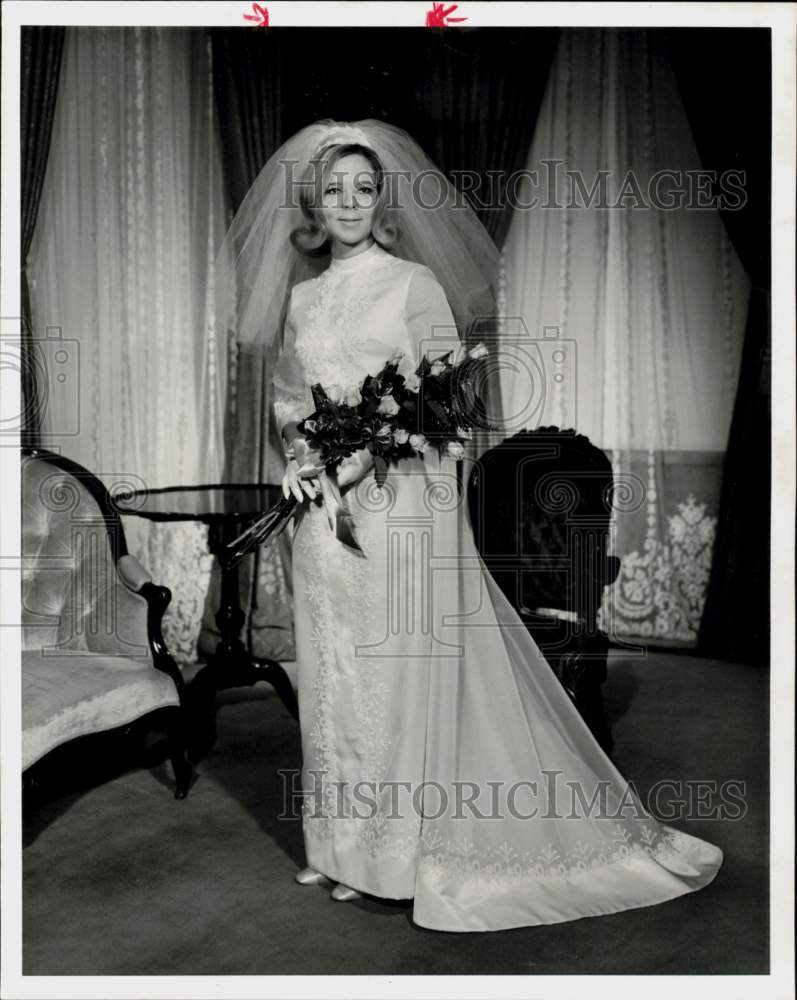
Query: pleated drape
{"x": 481, "y": 95}
{"x": 729, "y": 113}
{"x": 40, "y": 70}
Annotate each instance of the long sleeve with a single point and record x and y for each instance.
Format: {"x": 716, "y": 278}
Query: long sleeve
{"x": 291, "y": 396}
{"x": 432, "y": 332}
{"x": 428, "y": 317}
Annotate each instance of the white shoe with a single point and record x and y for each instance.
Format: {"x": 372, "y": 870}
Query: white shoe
{"x": 309, "y": 876}
{"x": 343, "y": 894}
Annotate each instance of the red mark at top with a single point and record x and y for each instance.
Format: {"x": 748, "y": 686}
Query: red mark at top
{"x": 259, "y": 15}
{"x": 440, "y": 15}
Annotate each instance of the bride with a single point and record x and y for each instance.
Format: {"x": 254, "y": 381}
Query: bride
{"x": 442, "y": 761}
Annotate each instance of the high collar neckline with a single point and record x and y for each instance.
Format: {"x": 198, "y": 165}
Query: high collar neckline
{"x": 359, "y": 259}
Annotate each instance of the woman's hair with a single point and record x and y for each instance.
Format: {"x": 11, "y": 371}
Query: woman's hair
{"x": 311, "y": 237}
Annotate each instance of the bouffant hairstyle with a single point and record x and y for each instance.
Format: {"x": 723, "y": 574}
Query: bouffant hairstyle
{"x": 311, "y": 237}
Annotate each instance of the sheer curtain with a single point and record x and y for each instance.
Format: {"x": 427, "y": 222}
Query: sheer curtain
{"x": 131, "y": 217}
{"x": 627, "y": 322}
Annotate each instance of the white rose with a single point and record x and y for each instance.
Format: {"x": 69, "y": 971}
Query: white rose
{"x": 412, "y": 382}
{"x": 438, "y": 367}
{"x": 455, "y": 450}
{"x": 458, "y": 353}
{"x": 418, "y": 442}
{"x": 388, "y": 406}
{"x": 400, "y": 436}
{"x": 335, "y": 392}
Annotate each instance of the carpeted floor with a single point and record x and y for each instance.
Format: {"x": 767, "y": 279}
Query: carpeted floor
{"x": 120, "y": 878}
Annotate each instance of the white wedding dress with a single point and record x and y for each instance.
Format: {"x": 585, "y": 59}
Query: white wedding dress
{"x": 432, "y": 728}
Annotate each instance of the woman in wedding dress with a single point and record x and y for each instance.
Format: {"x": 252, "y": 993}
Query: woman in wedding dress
{"x": 442, "y": 760}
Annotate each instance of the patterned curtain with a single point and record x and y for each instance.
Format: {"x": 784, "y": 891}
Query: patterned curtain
{"x": 626, "y": 322}
{"x": 130, "y": 221}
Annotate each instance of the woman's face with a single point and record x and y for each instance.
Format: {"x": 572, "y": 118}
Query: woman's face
{"x": 348, "y": 200}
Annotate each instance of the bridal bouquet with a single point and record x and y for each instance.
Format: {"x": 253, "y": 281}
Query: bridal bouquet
{"x": 391, "y": 415}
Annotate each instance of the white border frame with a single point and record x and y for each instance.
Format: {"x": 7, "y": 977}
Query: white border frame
{"x": 782, "y": 18}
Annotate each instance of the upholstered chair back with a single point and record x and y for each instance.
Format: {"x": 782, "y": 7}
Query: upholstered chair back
{"x": 541, "y": 505}
{"x": 72, "y": 597}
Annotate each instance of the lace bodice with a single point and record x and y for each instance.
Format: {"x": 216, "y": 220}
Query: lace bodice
{"x": 346, "y": 323}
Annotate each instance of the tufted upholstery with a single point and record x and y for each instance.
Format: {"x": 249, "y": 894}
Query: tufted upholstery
{"x": 541, "y": 507}
{"x": 86, "y": 660}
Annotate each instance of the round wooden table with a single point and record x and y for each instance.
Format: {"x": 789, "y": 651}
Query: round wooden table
{"x": 227, "y": 509}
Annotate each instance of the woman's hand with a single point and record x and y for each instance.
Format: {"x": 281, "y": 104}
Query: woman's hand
{"x": 298, "y": 484}
{"x": 308, "y": 459}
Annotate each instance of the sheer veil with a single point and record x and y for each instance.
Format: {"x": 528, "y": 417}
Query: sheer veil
{"x": 257, "y": 264}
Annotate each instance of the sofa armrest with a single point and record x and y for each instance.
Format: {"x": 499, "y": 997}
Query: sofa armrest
{"x": 132, "y": 573}
{"x": 138, "y": 580}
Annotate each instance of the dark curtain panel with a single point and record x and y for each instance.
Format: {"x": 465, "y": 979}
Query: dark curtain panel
{"x": 470, "y": 97}
{"x": 477, "y": 104}
{"x": 724, "y": 76}
{"x": 40, "y": 69}
{"x": 248, "y": 69}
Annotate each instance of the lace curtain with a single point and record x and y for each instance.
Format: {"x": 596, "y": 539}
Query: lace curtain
{"x": 627, "y": 322}
{"x": 130, "y": 221}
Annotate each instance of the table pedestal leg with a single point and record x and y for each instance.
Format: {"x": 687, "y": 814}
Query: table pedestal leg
{"x": 232, "y": 665}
